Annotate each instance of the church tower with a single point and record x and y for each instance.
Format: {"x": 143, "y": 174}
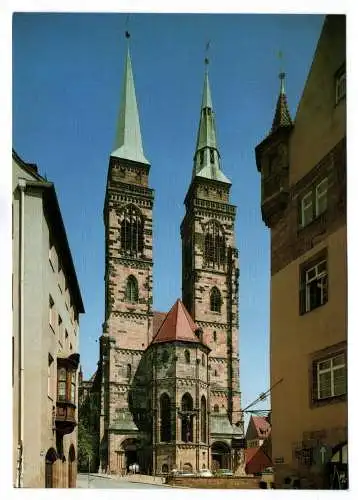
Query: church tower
{"x": 127, "y": 329}
{"x": 210, "y": 274}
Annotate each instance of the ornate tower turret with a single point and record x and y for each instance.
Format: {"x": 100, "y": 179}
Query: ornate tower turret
{"x": 127, "y": 329}
{"x": 273, "y": 162}
{"x": 210, "y": 276}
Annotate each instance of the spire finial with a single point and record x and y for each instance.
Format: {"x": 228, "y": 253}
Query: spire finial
{"x": 127, "y": 34}
{"x": 128, "y": 141}
{"x": 282, "y": 74}
{"x": 282, "y": 116}
{"x": 206, "y": 60}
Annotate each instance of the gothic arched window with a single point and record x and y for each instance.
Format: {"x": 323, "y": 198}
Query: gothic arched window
{"x": 214, "y": 242}
{"x": 215, "y": 300}
{"x": 187, "y": 356}
{"x": 132, "y": 290}
{"x": 216, "y": 408}
{"x": 203, "y": 419}
{"x": 129, "y": 371}
{"x": 165, "y": 424}
{"x": 132, "y": 230}
{"x": 187, "y": 418}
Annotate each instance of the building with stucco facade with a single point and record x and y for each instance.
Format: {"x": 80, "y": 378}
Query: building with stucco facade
{"x": 303, "y": 171}
{"x": 46, "y": 303}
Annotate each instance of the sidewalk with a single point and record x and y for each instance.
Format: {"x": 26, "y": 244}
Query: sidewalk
{"x": 137, "y": 478}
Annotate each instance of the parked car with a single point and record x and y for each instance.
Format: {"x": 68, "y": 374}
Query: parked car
{"x": 205, "y": 473}
{"x": 181, "y": 473}
{"x": 268, "y": 470}
{"x": 224, "y": 472}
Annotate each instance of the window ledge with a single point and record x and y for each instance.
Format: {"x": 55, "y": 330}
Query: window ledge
{"x": 317, "y": 403}
{"x": 319, "y": 219}
{"x": 340, "y": 100}
{"x": 304, "y": 313}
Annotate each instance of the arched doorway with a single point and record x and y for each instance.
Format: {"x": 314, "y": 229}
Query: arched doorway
{"x": 220, "y": 456}
{"x": 187, "y": 467}
{"x": 72, "y": 467}
{"x": 130, "y": 450}
{"x": 50, "y": 459}
{"x": 337, "y": 468}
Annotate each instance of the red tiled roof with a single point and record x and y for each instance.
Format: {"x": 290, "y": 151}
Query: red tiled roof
{"x": 262, "y": 426}
{"x": 158, "y": 318}
{"x": 177, "y": 325}
{"x": 250, "y": 453}
{"x": 256, "y": 460}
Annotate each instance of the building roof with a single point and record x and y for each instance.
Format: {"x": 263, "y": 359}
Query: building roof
{"x": 177, "y": 325}
{"x": 262, "y": 426}
{"x": 207, "y": 155}
{"x": 128, "y": 140}
{"x": 219, "y": 424}
{"x": 250, "y": 453}
{"x": 282, "y": 116}
{"x": 158, "y": 318}
{"x": 56, "y": 226}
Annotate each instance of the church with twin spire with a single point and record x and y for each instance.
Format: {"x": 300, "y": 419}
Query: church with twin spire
{"x": 169, "y": 382}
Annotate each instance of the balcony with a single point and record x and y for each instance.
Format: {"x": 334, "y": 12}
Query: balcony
{"x": 65, "y": 415}
{"x": 65, "y": 420}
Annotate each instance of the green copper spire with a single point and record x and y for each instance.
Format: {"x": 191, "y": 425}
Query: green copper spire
{"x": 128, "y": 141}
{"x": 282, "y": 116}
{"x": 207, "y": 156}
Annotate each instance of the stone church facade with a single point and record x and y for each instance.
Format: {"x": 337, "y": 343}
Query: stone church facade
{"x": 169, "y": 383}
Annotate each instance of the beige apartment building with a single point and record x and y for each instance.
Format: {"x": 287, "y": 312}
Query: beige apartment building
{"x": 303, "y": 199}
{"x": 46, "y": 303}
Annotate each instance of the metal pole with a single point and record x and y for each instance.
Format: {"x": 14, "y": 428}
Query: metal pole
{"x": 21, "y": 350}
{"x": 89, "y": 469}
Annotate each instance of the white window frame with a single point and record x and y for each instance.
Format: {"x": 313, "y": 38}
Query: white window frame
{"x": 318, "y": 275}
{"x": 330, "y": 370}
{"x": 304, "y": 221}
{"x": 321, "y": 195}
{"x": 340, "y": 86}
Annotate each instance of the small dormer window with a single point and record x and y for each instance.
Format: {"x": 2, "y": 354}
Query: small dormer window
{"x": 212, "y": 160}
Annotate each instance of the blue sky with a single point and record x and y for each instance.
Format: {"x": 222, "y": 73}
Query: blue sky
{"x": 67, "y": 78}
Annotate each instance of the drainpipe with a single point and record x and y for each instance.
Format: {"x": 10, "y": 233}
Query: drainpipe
{"x": 20, "y": 446}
